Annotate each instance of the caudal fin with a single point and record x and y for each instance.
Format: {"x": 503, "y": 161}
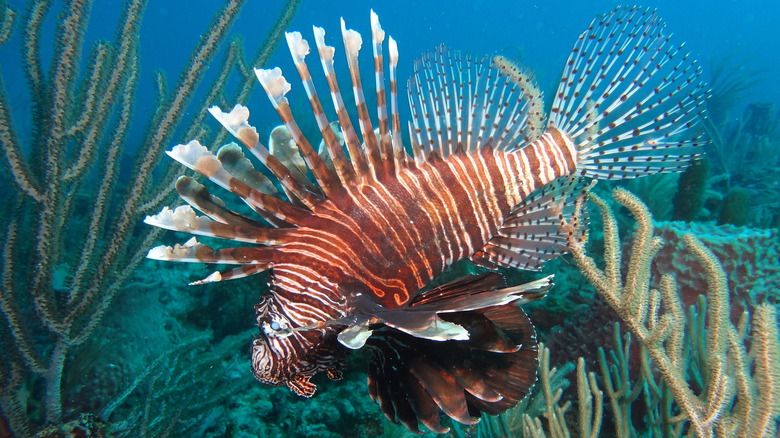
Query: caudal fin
{"x": 630, "y": 100}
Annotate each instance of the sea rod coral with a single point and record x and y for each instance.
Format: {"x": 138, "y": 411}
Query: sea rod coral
{"x": 735, "y": 397}
{"x": 71, "y": 236}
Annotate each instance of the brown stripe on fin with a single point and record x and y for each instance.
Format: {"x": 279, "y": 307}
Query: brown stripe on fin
{"x": 356, "y": 154}
{"x": 185, "y": 220}
{"x": 237, "y": 123}
{"x": 276, "y": 86}
{"x": 385, "y": 140}
{"x": 539, "y": 228}
{"x": 299, "y": 48}
{"x": 457, "y": 377}
{"x": 198, "y": 196}
{"x": 353, "y": 42}
{"x": 200, "y": 159}
{"x": 232, "y": 274}
{"x": 196, "y": 252}
{"x": 233, "y": 160}
{"x": 399, "y": 152}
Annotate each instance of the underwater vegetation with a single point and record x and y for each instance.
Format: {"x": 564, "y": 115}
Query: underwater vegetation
{"x": 76, "y": 187}
{"x": 745, "y": 149}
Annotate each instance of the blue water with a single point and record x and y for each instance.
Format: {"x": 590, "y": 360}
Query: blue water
{"x": 537, "y": 34}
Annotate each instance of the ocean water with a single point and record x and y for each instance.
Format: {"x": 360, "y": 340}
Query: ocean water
{"x": 94, "y": 338}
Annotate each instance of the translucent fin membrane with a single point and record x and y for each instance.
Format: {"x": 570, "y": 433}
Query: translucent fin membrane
{"x": 538, "y": 229}
{"x": 461, "y": 104}
{"x": 200, "y": 159}
{"x": 237, "y": 123}
{"x": 630, "y": 99}
{"x": 276, "y": 86}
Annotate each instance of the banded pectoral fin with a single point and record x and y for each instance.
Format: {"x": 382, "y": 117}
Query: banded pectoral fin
{"x": 415, "y": 379}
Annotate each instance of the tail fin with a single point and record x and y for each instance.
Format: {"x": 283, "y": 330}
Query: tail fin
{"x": 630, "y": 100}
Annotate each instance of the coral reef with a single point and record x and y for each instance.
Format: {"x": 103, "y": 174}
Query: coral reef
{"x": 732, "y": 398}
{"x": 747, "y": 256}
{"x": 691, "y": 188}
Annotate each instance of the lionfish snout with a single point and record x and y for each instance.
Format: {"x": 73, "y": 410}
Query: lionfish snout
{"x": 285, "y": 353}
{"x": 271, "y": 349}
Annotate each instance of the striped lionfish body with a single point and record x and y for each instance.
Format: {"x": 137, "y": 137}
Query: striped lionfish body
{"x": 351, "y": 248}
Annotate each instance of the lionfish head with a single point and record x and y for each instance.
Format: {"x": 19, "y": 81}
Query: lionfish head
{"x": 268, "y": 349}
{"x": 282, "y": 355}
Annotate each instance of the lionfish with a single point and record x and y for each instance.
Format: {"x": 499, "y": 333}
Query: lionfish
{"x": 364, "y": 228}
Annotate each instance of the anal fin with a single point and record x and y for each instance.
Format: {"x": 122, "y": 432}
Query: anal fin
{"x": 538, "y": 229}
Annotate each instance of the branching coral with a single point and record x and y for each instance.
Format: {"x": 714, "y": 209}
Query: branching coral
{"x": 689, "y": 372}
{"x": 656, "y": 317}
{"x": 74, "y": 236}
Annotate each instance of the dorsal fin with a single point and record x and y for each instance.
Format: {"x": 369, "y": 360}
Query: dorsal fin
{"x": 351, "y": 140}
{"x": 201, "y": 160}
{"x": 524, "y": 78}
{"x": 276, "y": 86}
{"x": 237, "y": 123}
{"x": 537, "y": 230}
{"x": 299, "y": 48}
{"x": 459, "y": 103}
{"x": 399, "y": 152}
{"x": 352, "y": 45}
{"x": 385, "y": 139}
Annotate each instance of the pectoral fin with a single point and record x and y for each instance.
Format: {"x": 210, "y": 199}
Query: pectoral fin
{"x": 355, "y": 336}
{"x": 425, "y": 325}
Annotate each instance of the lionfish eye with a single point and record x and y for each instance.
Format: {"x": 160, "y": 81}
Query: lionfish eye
{"x": 275, "y": 325}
